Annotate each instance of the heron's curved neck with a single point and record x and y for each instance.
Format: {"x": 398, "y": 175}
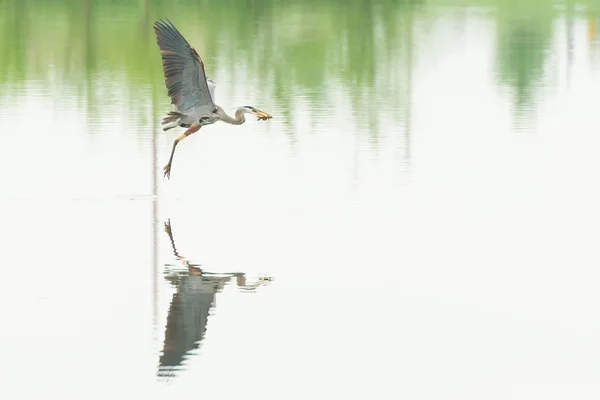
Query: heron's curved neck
{"x": 239, "y": 117}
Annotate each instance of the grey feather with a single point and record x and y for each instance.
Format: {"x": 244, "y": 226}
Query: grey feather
{"x": 183, "y": 69}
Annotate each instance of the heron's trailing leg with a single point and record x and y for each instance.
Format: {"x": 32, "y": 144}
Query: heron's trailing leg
{"x": 192, "y": 269}
{"x": 194, "y": 128}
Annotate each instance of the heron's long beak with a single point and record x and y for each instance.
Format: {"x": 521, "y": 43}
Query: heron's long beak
{"x": 262, "y": 115}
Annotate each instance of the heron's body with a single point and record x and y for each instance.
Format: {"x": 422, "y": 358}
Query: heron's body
{"x": 191, "y": 93}
{"x": 180, "y": 118}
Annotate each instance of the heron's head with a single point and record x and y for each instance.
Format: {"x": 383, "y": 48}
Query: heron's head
{"x": 260, "y": 114}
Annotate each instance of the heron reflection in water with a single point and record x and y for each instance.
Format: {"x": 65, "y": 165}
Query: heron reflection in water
{"x": 190, "y": 306}
{"x": 191, "y": 93}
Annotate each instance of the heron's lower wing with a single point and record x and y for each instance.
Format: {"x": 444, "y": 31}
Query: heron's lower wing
{"x": 211, "y": 88}
{"x": 183, "y": 68}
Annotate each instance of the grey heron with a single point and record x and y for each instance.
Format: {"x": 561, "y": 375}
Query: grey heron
{"x": 191, "y": 306}
{"x": 191, "y": 92}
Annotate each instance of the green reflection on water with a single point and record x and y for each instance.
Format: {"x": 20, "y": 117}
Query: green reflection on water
{"x": 366, "y": 47}
{"x": 524, "y": 36}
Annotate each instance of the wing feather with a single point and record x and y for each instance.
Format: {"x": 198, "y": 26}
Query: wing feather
{"x": 183, "y": 69}
{"x": 211, "y": 88}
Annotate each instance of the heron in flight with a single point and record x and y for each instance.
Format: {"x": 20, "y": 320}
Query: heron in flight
{"x": 191, "y": 93}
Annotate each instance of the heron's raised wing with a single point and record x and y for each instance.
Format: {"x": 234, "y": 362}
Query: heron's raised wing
{"x": 183, "y": 69}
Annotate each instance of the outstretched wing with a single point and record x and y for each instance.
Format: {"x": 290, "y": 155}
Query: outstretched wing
{"x": 183, "y": 69}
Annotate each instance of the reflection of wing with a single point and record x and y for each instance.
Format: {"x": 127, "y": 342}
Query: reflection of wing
{"x": 187, "y": 319}
{"x": 211, "y": 88}
{"x": 183, "y": 69}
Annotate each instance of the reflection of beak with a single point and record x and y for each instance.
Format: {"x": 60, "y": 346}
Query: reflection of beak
{"x": 264, "y": 280}
{"x": 262, "y": 115}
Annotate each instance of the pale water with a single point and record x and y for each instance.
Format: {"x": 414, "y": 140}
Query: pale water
{"x": 425, "y": 202}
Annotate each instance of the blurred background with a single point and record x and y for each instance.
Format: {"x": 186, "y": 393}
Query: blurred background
{"x": 425, "y": 200}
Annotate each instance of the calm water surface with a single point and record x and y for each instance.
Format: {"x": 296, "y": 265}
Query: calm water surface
{"x": 425, "y": 201}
